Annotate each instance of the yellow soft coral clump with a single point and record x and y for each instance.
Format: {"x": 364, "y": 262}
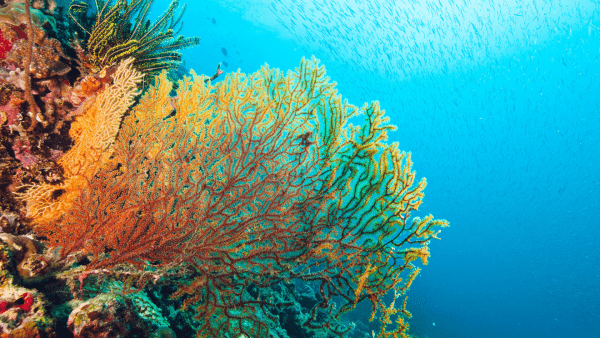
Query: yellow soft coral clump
{"x": 93, "y": 132}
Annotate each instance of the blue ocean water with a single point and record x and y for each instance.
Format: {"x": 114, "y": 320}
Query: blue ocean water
{"x": 498, "y": 102}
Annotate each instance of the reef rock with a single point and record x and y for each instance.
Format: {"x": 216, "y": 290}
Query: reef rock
{"x": 31, "y": 266}
{"x": 116, "y": 315}
{"x": 23, "y": 314}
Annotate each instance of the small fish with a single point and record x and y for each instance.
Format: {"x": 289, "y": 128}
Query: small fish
{"x": 224, "y": 51}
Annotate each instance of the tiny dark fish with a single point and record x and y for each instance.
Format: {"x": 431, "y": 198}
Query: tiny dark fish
{"x": 224, "y": 51}
{"x": 225, "y": 64}
{"x": 214, "y": 22}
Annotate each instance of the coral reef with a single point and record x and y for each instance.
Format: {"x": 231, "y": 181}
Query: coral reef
{"x": 245, "y": 208}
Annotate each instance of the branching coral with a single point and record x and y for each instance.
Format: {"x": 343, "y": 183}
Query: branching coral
{"x": 115, "y": 37}
{"x": 251, "y": 182}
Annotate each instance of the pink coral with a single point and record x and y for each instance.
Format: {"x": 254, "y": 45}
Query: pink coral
{"x": 23, "y": 153}
{"x": 12, "y": 113}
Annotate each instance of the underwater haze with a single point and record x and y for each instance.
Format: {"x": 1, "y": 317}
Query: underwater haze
{"x": 498, "y": 102}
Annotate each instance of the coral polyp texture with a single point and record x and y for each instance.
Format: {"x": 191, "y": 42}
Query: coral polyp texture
{"x": 228, "y": 208}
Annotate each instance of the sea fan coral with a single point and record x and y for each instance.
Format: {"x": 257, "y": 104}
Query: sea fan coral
{"x": 252, "y": 182}
{"x": 93, "y": 133}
